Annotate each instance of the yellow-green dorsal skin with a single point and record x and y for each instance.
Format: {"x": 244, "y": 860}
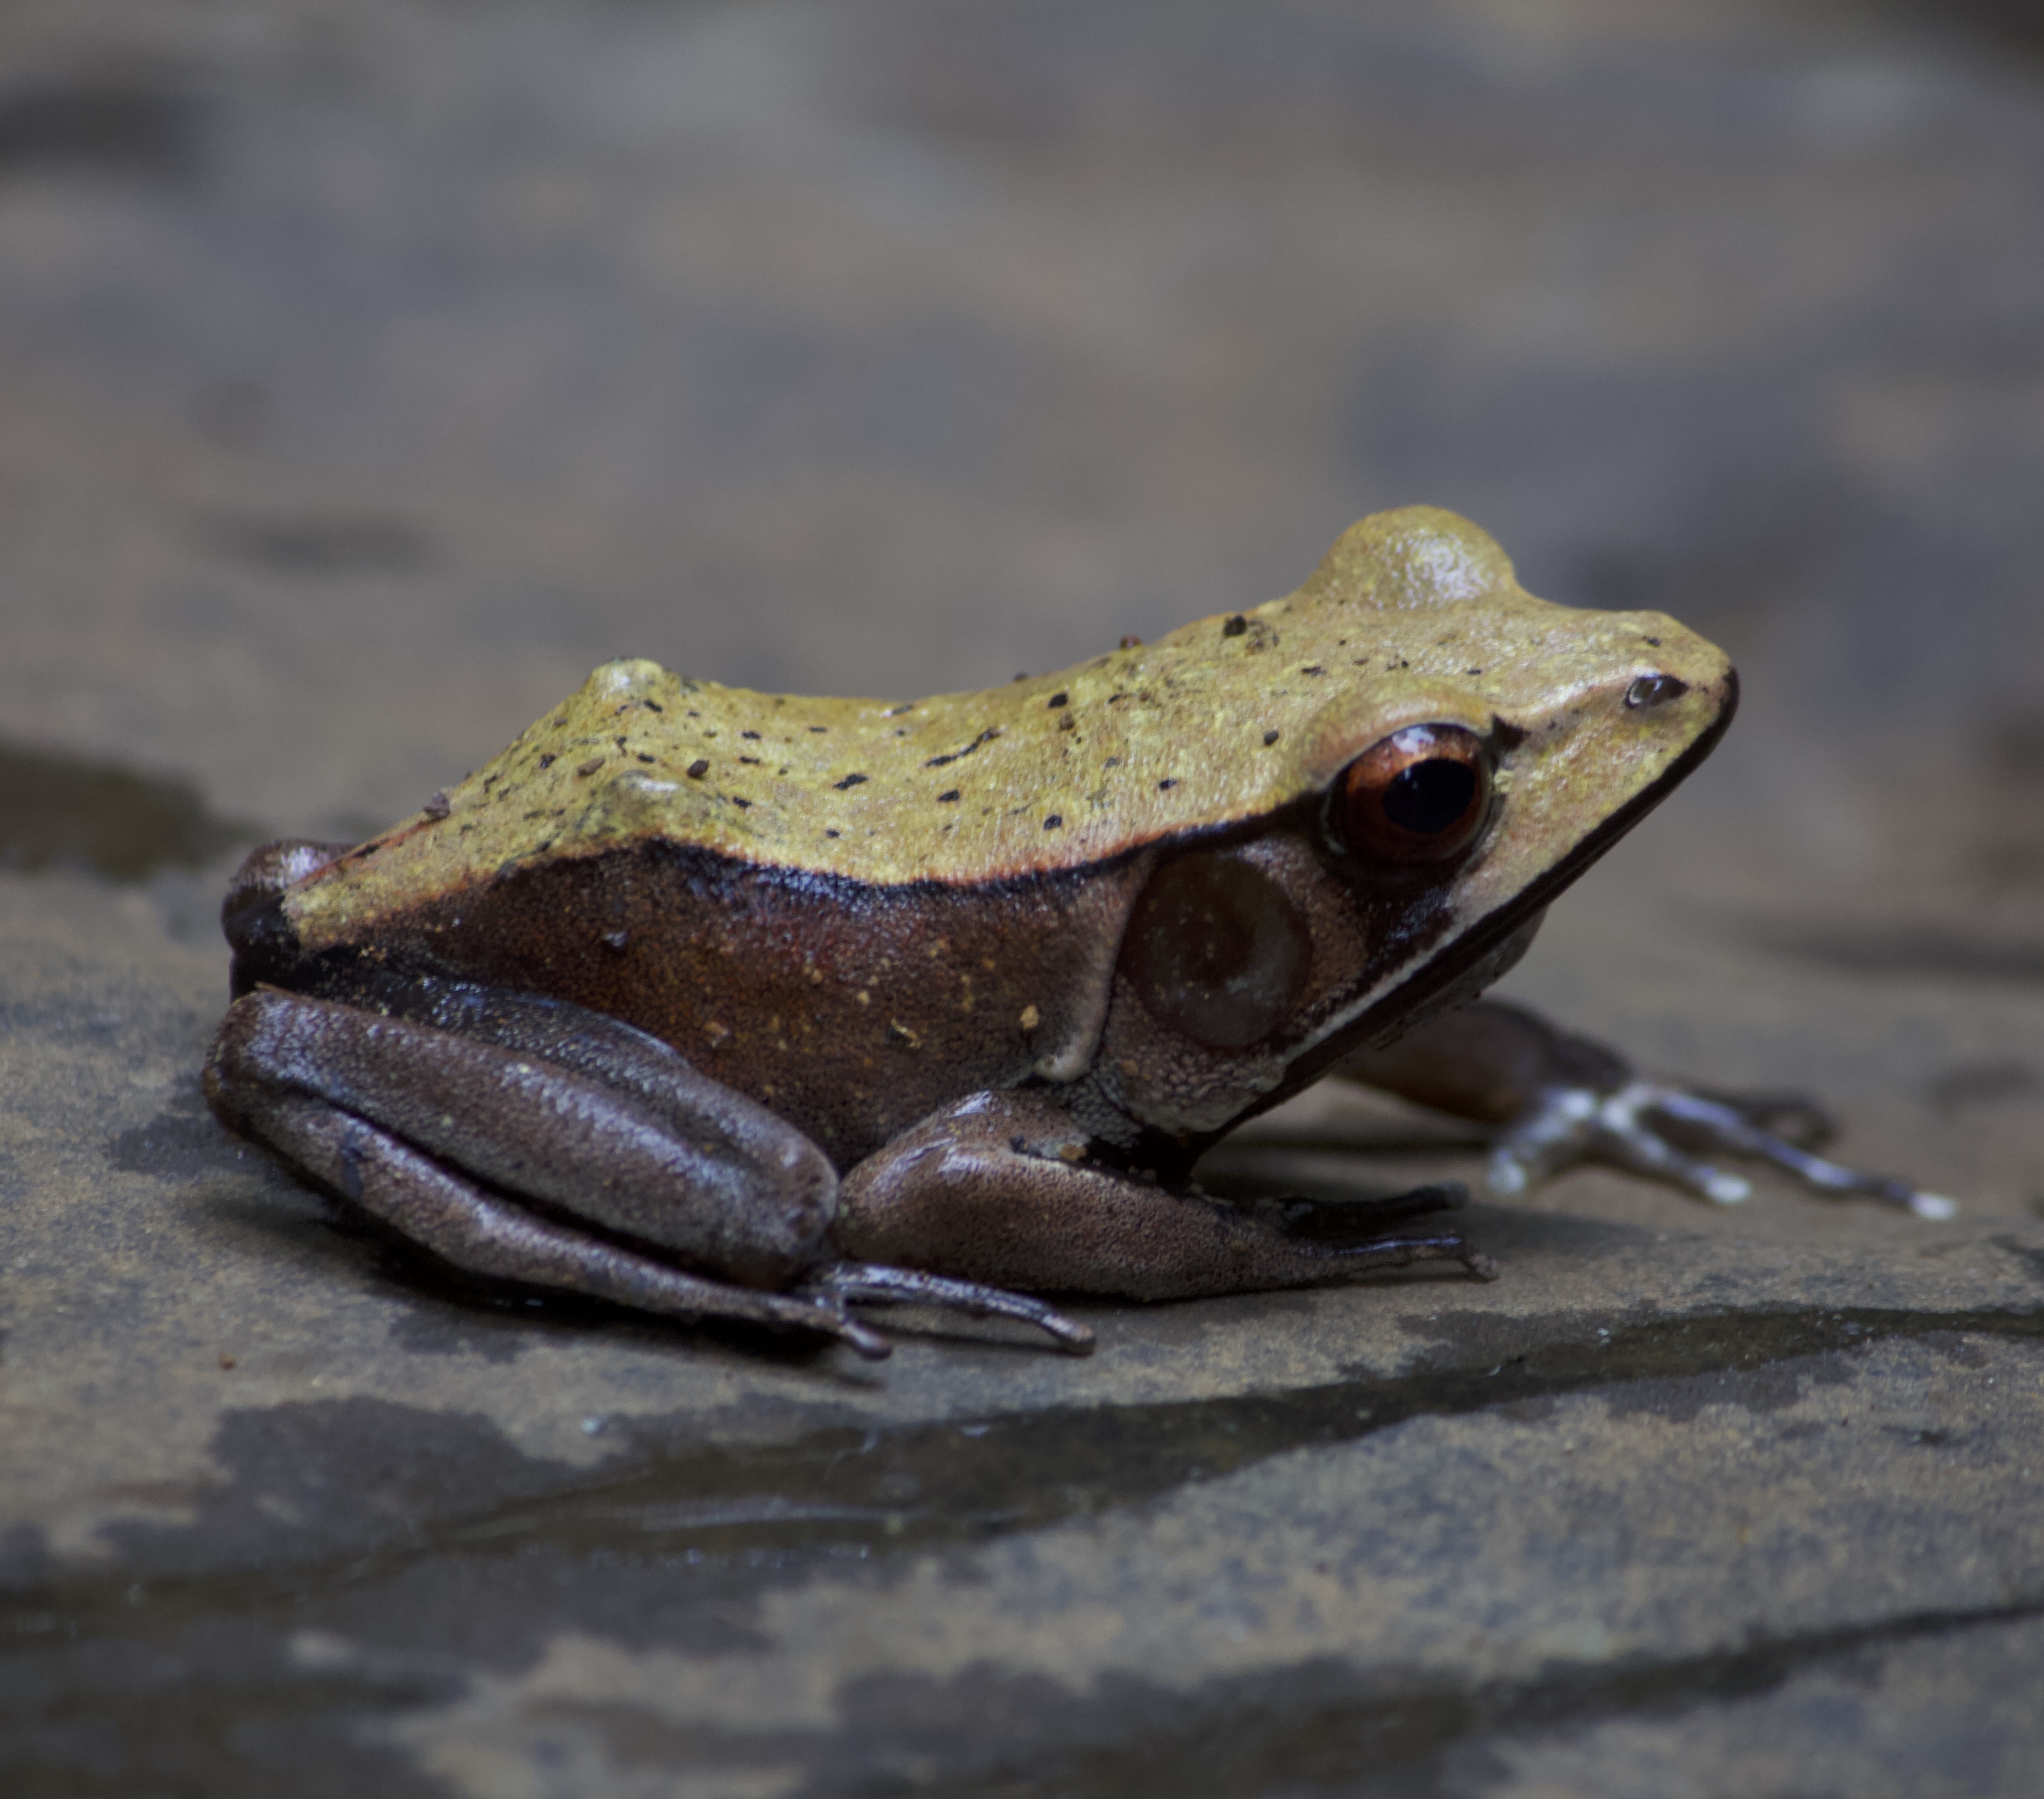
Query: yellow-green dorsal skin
{"x": 1414, "y": 616}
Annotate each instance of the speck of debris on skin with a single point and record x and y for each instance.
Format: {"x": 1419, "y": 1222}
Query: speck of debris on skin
{"x": 833, "y": 834}
{"x": 1315, "y": 668}
{"x": 947, "y": 798}
{"x": 1054, "y": 821}
{"x": 1058, "y": 700}
{"x": 850, "y": 781}
{"x": 1130, "y": 642}
{"x": 1112, "y": 762}
{"x": 643, "y": 757}
{"x": 590, "y": 766}
{"x": 1030, "y": 1018}
{"x": 753, "y": 734}
{"x": 1235, "y": 626}
{"x": 438, "y": 805}
{"x": 697, "y": 768}
{"x": 1473, "y": 671}
{"x": 819, "y": 728}
{"x": 754, "y": 760}
{"x": 743, "y": 805}
{"x": 1269, "y": 738}
{"x": 1165, "y": 786}
{"x": 548, "y": 760}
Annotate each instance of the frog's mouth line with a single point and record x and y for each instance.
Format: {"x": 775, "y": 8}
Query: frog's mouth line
{"x": 1489, "y": 936}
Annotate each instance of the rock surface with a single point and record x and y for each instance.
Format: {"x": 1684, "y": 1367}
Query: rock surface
{"x": 371, "y": 371}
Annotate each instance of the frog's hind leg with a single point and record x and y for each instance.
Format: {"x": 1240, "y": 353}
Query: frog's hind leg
{"x": 470, "y": 1228}
{"x": 505, "y": 1161}
{"x": 1002, "y": 1188}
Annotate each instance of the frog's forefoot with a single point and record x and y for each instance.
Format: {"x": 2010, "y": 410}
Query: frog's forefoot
{"x": 1636, "y": 1126}
{"x": 874, "y": 1284}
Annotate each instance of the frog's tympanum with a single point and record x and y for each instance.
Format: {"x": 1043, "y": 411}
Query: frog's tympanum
{"x": 737, "y": 1005}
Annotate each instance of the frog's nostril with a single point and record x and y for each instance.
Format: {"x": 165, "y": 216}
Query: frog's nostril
{"x": 1655, "y": 690}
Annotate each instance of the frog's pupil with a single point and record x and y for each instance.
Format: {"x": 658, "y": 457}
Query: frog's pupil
{"x": 1431, "y": 797}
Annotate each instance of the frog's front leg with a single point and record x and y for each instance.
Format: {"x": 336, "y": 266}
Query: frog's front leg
{"x": 1554, "y": 1098}
{"x": 1003, "y": 1187}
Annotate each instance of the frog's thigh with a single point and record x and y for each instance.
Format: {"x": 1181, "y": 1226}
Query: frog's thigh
{"x": 956, "y": 1195}
{"x": 472, "y": 1229}
{"x": 756, "y": 1211}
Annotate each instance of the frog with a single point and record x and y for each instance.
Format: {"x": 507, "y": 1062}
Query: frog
{"x": 730, "y": 1005}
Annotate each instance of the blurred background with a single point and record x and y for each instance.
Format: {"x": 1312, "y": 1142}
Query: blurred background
{"x": 370, "y": 369}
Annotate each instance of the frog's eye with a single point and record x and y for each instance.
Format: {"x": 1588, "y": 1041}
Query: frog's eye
{"x": 1420, "y": 796}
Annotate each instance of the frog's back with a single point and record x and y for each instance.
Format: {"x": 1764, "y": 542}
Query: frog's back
{"x": 1224, "y": 720}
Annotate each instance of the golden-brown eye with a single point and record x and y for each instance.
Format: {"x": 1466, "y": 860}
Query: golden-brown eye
{"x": 1421, "y": 796}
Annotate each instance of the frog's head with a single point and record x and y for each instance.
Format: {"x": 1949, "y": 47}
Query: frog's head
{"x": 1459, "y": 752}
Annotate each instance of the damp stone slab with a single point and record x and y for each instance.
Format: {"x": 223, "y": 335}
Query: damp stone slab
{"x": 1638, "y": 1566}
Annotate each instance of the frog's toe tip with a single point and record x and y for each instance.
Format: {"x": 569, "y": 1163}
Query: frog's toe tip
{"x": 1933, "y": 1205}
{"x": 1480, "y": 1266}
{"x": 869, "y": 1346}
{"x": 1507, "y": 1177}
